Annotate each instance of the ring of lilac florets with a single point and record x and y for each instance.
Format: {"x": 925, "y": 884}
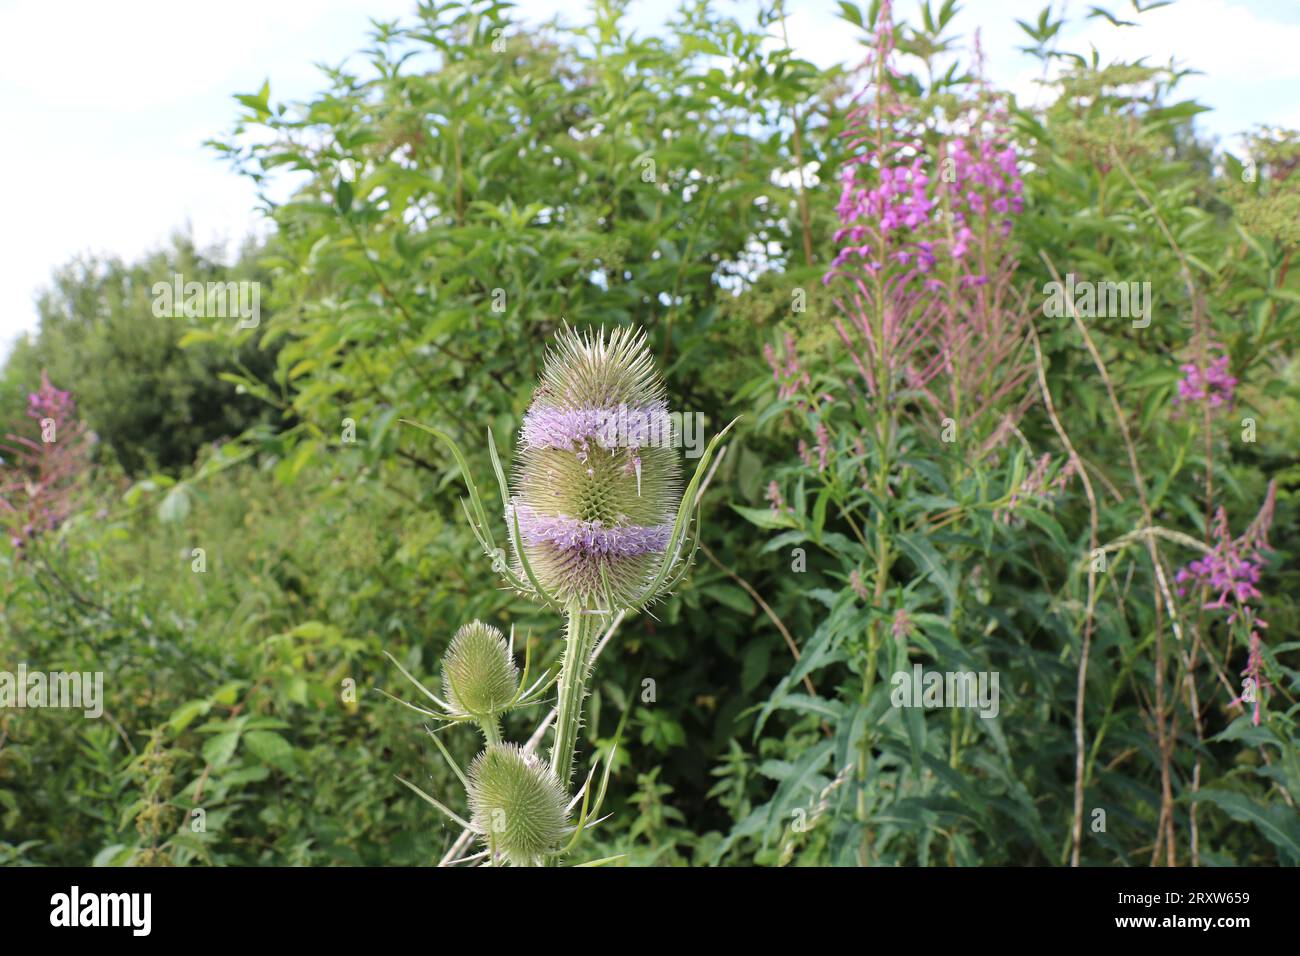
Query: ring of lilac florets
{"x": 574, "y": 429}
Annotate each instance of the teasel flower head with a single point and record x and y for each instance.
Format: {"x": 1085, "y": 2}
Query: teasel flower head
{"x": 518, "y": 805}
{"x": 597, "y": 482}
{"x": 479, "y": 677}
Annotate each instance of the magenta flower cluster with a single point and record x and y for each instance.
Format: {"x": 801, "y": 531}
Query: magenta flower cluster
{"x": 892, "y": 205}
{"x": 925, "y": 267}
{"x": 40, "y": 473}
{"x": 1214, "y": 384}
{"x": 49, "y": 402}
{"x": 1232, "y": 568}
{"x": 904, "y": 206}
{"x": 1227, "y": 571}
{"x": 1231, "y": 572}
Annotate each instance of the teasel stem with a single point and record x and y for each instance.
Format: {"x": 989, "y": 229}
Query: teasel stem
{"x": 579, "y": 640}
{"x": 491, "y": 729}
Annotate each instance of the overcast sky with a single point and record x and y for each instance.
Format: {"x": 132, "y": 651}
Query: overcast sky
{"x": 105, "y": 104}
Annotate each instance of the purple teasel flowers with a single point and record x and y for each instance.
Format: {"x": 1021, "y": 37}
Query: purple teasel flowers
{"x": 566, "y": 534}
{"x": 597, "y": 514}
{"x": 597, "y": 495}
{"x": 567, "y": 428}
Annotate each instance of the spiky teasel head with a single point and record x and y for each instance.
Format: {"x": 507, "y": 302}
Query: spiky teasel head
{"x": 518, "y": 804}
{"x": 479, "y": 678}
{"x": 597, "y": 483}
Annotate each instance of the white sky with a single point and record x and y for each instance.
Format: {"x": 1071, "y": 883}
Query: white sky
{"x": 105, "y": 104}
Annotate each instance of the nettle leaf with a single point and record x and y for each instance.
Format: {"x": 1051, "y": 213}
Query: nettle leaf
{"x": 1277, "y": 822}
{"x": 1243, "y": 729}
{"x": 270, "y": 747}
{"x": 819, "y": 512}
{"x": 184, "y": 715}
{"x": 730, "y": 596}
{"x": 830, "y": 710}
{"x": 220, "y": 748}
{"x": 765, "y": 517}
{"x": 930, "y": 564}
{"x": 786, "y": 540}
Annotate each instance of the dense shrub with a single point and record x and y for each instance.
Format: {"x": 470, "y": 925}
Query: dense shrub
{"x": 150, "y": 388}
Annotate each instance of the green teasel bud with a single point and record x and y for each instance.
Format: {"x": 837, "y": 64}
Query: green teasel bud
{"x": 519, "y": 807}
{"x": 597, "y": 481}
{"x": 479, "y": 678}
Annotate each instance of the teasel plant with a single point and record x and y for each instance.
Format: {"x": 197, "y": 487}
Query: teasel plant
{"x": 599, "y": 526}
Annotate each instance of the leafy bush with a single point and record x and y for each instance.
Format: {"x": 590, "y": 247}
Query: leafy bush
{"x": 150, "y": 388}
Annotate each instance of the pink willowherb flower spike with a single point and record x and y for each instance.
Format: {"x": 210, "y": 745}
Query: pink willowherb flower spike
{"x": 39, "y": 476}
{"x": 924, "y": 268}
{"x": 1231, "y": 572}
{"x": 1212, "y": 384}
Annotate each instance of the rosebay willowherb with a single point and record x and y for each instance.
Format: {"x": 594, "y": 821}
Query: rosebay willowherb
{"x": 599, "y": 524}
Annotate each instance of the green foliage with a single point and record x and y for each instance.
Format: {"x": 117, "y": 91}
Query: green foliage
{"x": 151, "y": 388}
{"x": 991, "y": 566}
{"x": 239, "y": 647}
{"x": 262, "y": 531}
